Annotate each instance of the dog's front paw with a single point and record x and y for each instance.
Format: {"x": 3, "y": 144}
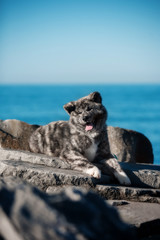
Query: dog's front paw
{"x": 94, "y": 172}
{"x": 122, "y": 178}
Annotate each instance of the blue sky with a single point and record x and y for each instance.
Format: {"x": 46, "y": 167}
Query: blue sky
{"x": 111, "y": 41}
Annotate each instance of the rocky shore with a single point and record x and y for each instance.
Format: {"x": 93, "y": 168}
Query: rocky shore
{"x": 42, "y": 198}
{"x": 22, "y": 204}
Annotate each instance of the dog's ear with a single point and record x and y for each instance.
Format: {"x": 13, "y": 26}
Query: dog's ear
{"x": 69, "y": 107}
{"x": 95, "y": 97}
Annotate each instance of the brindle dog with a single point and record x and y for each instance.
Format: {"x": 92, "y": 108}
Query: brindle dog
{"x": 82, "y": 141}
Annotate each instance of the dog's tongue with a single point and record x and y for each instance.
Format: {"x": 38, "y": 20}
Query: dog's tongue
{"x": 89, "y": 127}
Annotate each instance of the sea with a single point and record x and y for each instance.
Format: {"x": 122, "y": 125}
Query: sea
{"x": 135, "y": 107}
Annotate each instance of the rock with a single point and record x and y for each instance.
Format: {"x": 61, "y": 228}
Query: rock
{"x": 144, "y": 216}
{"x": 115, "y": 192}
{"x": 130, "y": 146}
{"x": 143, "y": 175}
{"x": 51, "y": 174}
{"x": 40, "y": 159}
{"x": 7, "y": 141}
{"x": 31, "y": 166}
{"x": 27, "y": 213}
{"x": 44, "y": 177}
{"x": 127, "y": 145}
{"x": 17, "y": 128}
{"x": 14, "y": 134}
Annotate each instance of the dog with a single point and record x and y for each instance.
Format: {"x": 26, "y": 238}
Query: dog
{"x": 82, "y": 141}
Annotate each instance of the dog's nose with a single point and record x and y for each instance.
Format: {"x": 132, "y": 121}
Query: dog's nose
{"x": 85, "y": 118}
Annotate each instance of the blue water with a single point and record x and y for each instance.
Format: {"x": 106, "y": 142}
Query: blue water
{"x": 135, "y": 107}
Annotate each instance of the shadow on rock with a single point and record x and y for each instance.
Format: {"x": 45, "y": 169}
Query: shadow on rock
{"x": 70, "y": 214}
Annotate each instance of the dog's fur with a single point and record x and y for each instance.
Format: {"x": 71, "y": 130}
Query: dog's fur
{"x": 82, "y": 141}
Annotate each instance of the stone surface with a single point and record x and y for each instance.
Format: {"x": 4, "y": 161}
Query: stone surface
{"x": 143, "y": 175}
{"x": 129, "y": 145}
{"x": 17, "y": 128}
{"x": 27, "y": 213}
{"x": 31, "y": 166}
{"x": 52, "y": 175}
{"x": 41, "y": 159}
{"x": 115, "y": 192}
{"x": 14, "y": 134}
{"x": 144, "y": 216}
{"x": 44, "y": 176}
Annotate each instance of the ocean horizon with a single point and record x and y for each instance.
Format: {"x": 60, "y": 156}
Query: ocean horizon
{"x": 135, "y": 107}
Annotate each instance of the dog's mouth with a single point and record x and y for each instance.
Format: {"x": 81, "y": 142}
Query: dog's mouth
{"x": 89, "y": 127}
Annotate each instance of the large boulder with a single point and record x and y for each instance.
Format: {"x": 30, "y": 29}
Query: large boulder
{"x": 17, "y": 128}
{"x": 44, "y": 172}
{"x": 50, "y": 174}
{"x": 14, "y": 134}
{"x": 129, "y": 146}
{"x": 29, "y": 214}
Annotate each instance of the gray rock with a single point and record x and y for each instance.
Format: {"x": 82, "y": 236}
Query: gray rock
{"x": 46, "y": 177}
{"x": 40, "y": 159}
{"x": 114, "y": 192}
{"x": 130, "y": 146}
{"x": 141, "y": 175}
{"x": 144, "y": 216}
{"x": 14, "y": 134}
{"x": 47, "y": 172}
{"x": 17, "y": 128}
{"x": 72, "y": 214}
{"x": 51, "y": 179}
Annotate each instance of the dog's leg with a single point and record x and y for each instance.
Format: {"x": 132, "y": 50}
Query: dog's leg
{"x": 116, "y": 170}
{"x": 80, "y": 163}
{"x": 93, "y": 171}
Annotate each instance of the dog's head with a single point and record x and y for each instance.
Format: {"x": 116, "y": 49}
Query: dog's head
{"x": 87, "y": 113}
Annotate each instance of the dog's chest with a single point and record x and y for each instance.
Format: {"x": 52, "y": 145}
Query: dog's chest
{"x": 90, "y": 152}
